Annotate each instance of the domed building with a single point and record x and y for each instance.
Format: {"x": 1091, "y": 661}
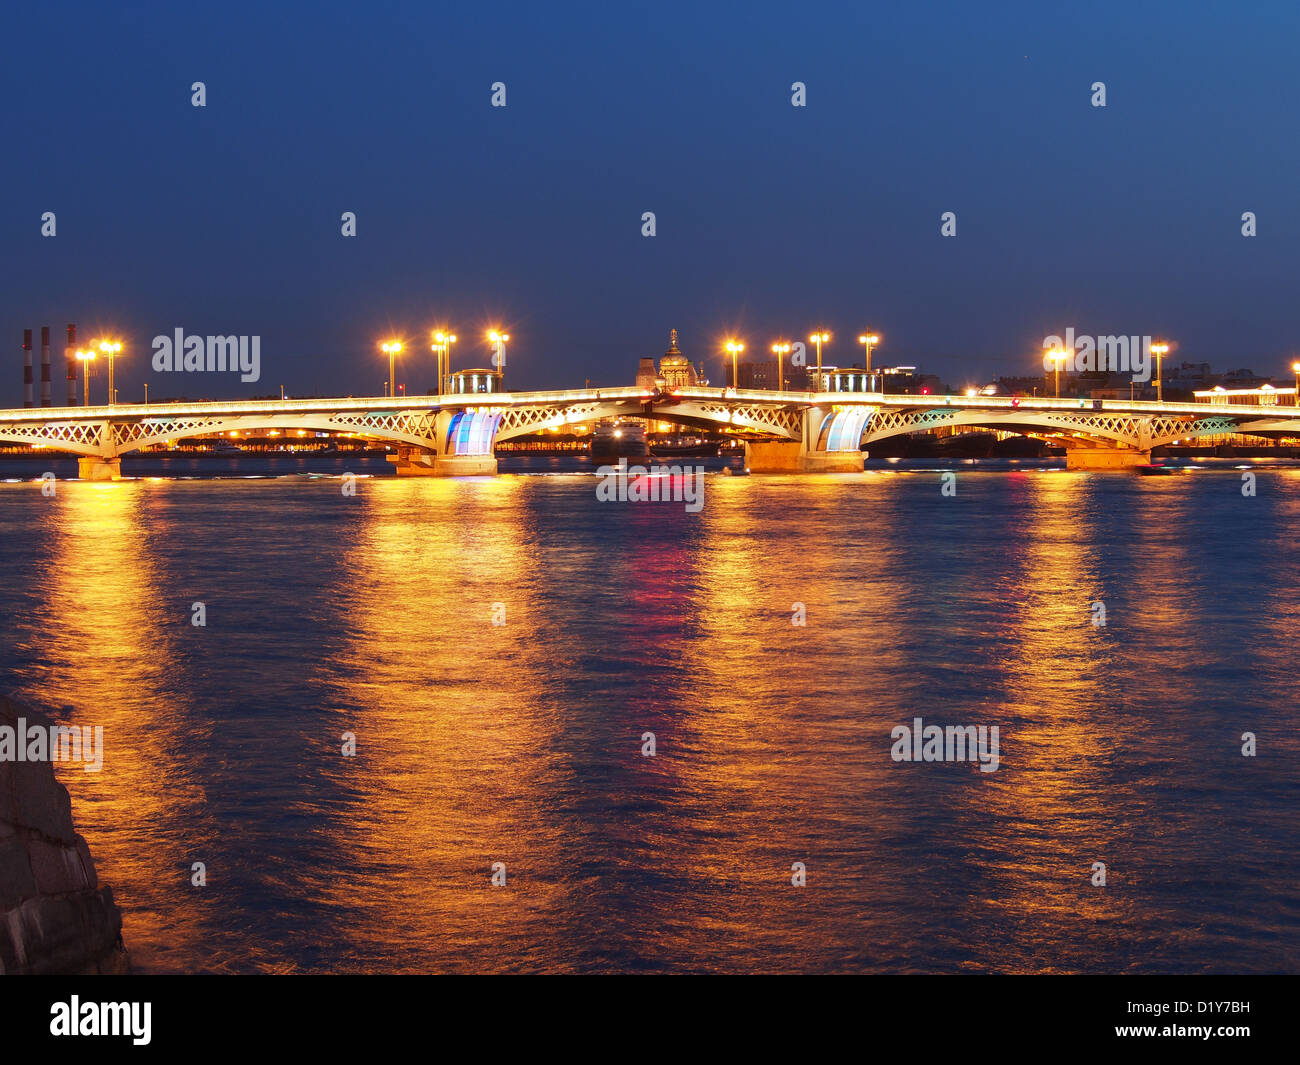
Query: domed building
{"x": 675, "y": 369}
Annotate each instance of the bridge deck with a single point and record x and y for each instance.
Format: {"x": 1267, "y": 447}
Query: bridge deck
{"x": 748, "y": 397}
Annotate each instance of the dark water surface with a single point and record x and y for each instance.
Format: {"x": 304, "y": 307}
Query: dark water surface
{"x": 521, "y": 743}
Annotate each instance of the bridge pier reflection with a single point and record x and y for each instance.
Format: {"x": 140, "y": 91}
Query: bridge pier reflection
{"x": 792, "y": 456}
{"x": 1105, "y": 458}
{"x": 417, "y": 462}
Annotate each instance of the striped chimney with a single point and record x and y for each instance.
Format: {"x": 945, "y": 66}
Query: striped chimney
{"x": 70, "y": 355}
{"x": 45, "y": 366}
{"x": 27, "y": 368}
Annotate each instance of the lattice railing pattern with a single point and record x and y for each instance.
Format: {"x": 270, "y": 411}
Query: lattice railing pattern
{"x": 1164, "y": 430}
{"x": 788, "y": 421}
{"x": 421, "y": 424}
{"x": 515, "y": 420}
{"x": 893, "y": 422}
{"x": 129, "y": 435}
{"x": 83, "y": 438}
{"x": 1131, "y": 430}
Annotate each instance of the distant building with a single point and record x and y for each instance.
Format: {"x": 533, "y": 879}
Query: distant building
{"x": 1243, "y": 379}
{"x": 1264, "y": 396}
{"x": 1189, "y": 376}
{"x": 647, "y": 377}
{"x": 1019, "y": 386}
{"x": 908, "y": 380}
{"x": 898, "y": 380}
{"x": 757, "y": 373}
{"x": 676, "y": 369}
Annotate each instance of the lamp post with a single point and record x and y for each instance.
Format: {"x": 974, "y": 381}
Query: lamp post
{"x": 442, "y": 343}
{"x": 1058, "y": 355}
{"x": 734, "y": 348}
{"x": 819, "y": 338}
{"x": 391, "y": 348}
{"x": 499, "y": 355}
{"x": 1159, "y": 350}
{"x": 780, "y": 348}
{"x": 867, "y": 340}
{"x": 1295, "y": 369}
{"x": 110, "y": 348}
{"x": 86, "y": 358}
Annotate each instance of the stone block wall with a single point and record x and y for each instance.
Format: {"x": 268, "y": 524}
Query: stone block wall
{"x": 55, "y": 916}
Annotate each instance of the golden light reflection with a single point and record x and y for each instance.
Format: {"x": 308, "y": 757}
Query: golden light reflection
{"x": 458, "y": 755}
{"x": 108, "y": 645}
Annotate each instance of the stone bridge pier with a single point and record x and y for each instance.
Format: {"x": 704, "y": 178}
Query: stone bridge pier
{"x": 96, "y": 468}
{"x": 460, "y": 444}
{"x": 1105, "y": 458}
{"x": 830, "y": 442}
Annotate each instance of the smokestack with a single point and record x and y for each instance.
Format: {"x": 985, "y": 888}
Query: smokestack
{"x": 70, "y": 353}
{"x": 45, "y": 366}
{"x": 27, "y": 368}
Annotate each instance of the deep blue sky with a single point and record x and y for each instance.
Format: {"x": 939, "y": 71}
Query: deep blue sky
{"x": 771, "y": 219}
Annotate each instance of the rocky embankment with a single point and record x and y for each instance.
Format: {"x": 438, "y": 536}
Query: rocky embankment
{"x": 55, "y": 916}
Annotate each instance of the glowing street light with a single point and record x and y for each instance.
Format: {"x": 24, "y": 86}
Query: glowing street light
{"x": 781, "y": 348}
{"x": 442, "y": 343}
{"x": 1159, "y": 350}
{"x": 85, "y": 358}
{"x": 499, "y": 355}
{"x": 734, "y": 348}
{"x": 1295, "y": 369}
{"x": 392, "y": 348}
{"x": 869, "y": 340}
{"x": 819, "y": 338}
{"x": 110, "y": 348}
{"x": 1058, "y": 357}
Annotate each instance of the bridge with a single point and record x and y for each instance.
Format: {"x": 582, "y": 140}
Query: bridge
{"x": 796, "y": 432}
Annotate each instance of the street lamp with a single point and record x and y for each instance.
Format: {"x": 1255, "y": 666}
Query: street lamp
{"x": 442, "y": 343}
{"x": 1058, "y": 356}
{"x": 1159, "y": 350}
{"x": 867, "y": 340}
{"x": 1295, "y": 369}
{"x": 734, "y": 348}
{"x": 499, "y": 356}
{"x": 110, "y": 348}
{"x": 819, "y": 339}
{"x": 392, "y": 348}
{"x": 780, "y": 348}
{"x": 85, "y": 358}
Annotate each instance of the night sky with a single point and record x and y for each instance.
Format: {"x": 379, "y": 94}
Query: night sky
{"x": 771, "y": 219}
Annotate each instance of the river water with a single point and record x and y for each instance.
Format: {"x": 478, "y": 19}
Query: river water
{"x": 521, "y": 742}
